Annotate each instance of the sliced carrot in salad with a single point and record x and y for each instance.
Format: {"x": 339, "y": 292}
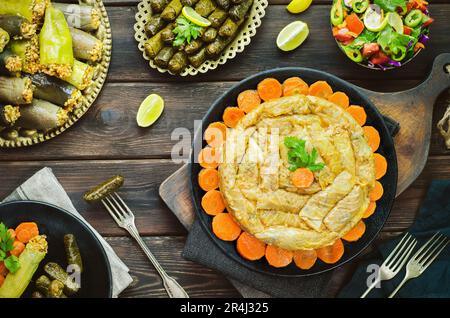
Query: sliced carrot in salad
{"x": 294, "y": 85}
{"x": 249, "y": 247}
{"x": 340, "y": 98}
{"x": 269, "y": 88}
{"x": 248, "y": 100}
{"x": 278, "y": 257}
{"x": 320, "y": 89}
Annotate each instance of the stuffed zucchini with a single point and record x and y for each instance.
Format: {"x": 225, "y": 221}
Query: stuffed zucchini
{"x": 17, "y": 26}
{"x": 84, "y": 17}
{"x": 15, "y": 90}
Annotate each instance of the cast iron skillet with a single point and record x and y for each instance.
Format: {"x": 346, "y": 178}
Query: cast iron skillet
{"x": 54, "y": 223}
{"x": 373, "y": 224}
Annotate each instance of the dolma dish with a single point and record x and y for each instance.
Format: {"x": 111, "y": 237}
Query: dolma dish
{"x": 230, "y": 26}
{"x": 289, "y": 174}
{"x": 54, "y": 58}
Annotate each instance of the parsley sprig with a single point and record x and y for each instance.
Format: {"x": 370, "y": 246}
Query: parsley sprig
{"x": 298, "y": 157}
{"x": 6, "y": 246}
{"x": 185, "y": 31}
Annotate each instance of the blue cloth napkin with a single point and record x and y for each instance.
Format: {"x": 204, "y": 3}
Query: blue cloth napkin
{"x": 434, "y": 215}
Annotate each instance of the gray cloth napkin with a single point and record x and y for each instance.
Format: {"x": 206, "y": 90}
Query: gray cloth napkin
{"x": 43, "y": 186}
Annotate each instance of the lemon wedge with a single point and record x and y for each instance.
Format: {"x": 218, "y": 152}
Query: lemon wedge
{"x": 150, "y": 110}
{"x": 373, "y": 18}
{"x": 298, "y": 6}
{"x": 292, "y": 36}
{"x": 195, "y": 18}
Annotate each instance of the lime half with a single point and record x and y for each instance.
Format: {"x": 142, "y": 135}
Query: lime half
{"x": 194, "y": 17}
{"x": 292, "y": 36}
{"x": 373, "y": 18}
{"x": 150, "y": 110}
{"x": 395, "y": 21}
{"x": 297, "y": 6}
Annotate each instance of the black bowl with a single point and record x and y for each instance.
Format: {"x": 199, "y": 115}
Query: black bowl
{"x": 373, "y": 224}
{"x": 55, "y": 222}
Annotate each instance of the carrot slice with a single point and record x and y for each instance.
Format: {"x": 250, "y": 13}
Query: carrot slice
{"x": 355, "y": 233}
{"x": 209, "y": 157}
{"x": 269, "y": 88}
{"x": 302, "y": 178}
{"x": 18, "y": 248}
{"x": 320, "y": 89}
{"x": 380, "y": 165}
{"x": 3, "y": 269}
{"x": 373, "y": 137}
{"x": 332, "y": 253}
{"x": 225, "y": 227}
{"x": 278, "y": 257}
{"x": 208, "y": 179}
{"x": 2, "y": 279}
{"x": 294, "y": 85}
{"x": 305, "y": 259}
{"x": 340, "y": 98}
{"x": 212, "y": 202}
{"x": 377, "y": 192}
{"x": 215, "y": 134}
{"x": 249, "y": 247}
{"x": 232, "y": 115}
{"x": 370, "y": 209}
{"x": 248, "y": 100}
{"x": 26, "y": 231}
{"x": 358, "y": 113}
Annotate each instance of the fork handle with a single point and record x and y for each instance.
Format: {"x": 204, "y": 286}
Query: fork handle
{"x": 375, "y": 283}
{"x": 173, "y": 289}
{"x": 399, "y": 286}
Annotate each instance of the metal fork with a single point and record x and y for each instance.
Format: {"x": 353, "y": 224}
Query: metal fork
{"x": 395, "y": 261}
{"x": 125, "y": 219}
{"x": 423, "y": 258}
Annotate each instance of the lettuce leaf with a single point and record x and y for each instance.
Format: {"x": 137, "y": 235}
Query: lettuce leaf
{"x": 391, "y": 5}
{"x": 389, "y": 39}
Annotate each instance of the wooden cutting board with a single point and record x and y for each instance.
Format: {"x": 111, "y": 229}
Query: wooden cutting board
{"x": 412, "y": 108}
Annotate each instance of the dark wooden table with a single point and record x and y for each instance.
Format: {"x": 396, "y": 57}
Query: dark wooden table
{"x": 107, "y": 141}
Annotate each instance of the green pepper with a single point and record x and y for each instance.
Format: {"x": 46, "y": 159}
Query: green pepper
{"x": 398, "y": 53}
{"x": 414, "y": 18}
{"x": 353, "y": 54}
{"x": 359, "y": 6}
{"x": 337, "y": 13}
{"x": 55, "y": 43}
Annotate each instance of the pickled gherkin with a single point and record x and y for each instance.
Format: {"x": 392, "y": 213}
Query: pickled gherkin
{"x": 164, "y": 56}
{"x": 238, "y": 11}
{"x": 215, "y": 48}
{"x": 224, "y": 4}
{"x": 73, "y": 254}
{"x": 172, "y": 10}
{"x": 56, "y": 272}
{"x": 189, "y": 3}
{"x": 154, "y": 24}
{"x": 205, "y": 7}
{"x": 229, "y": 28}
{"x": 217, "y": 17}
{"x": 198, "y": 58}
{"x": 178, "y": 62}
{"x": 158, "y": 5}
{"x": 209, "y": 35}
{"x": 193, "y": 46}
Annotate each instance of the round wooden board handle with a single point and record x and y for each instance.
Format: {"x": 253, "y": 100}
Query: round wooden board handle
{"x": 413, "y": 109}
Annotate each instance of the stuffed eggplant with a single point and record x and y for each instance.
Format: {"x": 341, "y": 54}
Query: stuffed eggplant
{"x": 41, "y": 115}
{"x": 154, "y": 24}
{"x": 102, "y": 190}
{"x": 18, "y": 27}
{"x": 8, "y": 115}
{"x": 238, "y": 11}
{"x": 164, "y": 56}
{"x": 55, "y": 90}
{"x": 55, "y": 44}
{"x": 4, "y": 39}
{"x": 178, "y": 62}
{"x": 172, "y": 10}
{"x": 84, "y": 17}
{"x": 86, "y": 46}
{"x": 205, "y": 7}
{"x": 15, "y": 90}
{"x": 218, "y": 17}
{"x": 32, "y": 10}
{"x": 28, "y": 51}
{"x": 158, "y": 5}
{"x": 10, "y": 63}
{"x": 81, "y": 76}
{"x": 16, "y": 283}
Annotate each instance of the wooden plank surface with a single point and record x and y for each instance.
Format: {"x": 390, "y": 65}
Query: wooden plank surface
{"x": 107, "y": 141}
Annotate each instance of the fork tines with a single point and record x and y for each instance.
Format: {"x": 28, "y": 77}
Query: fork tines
{"x": 430, "y": 250}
